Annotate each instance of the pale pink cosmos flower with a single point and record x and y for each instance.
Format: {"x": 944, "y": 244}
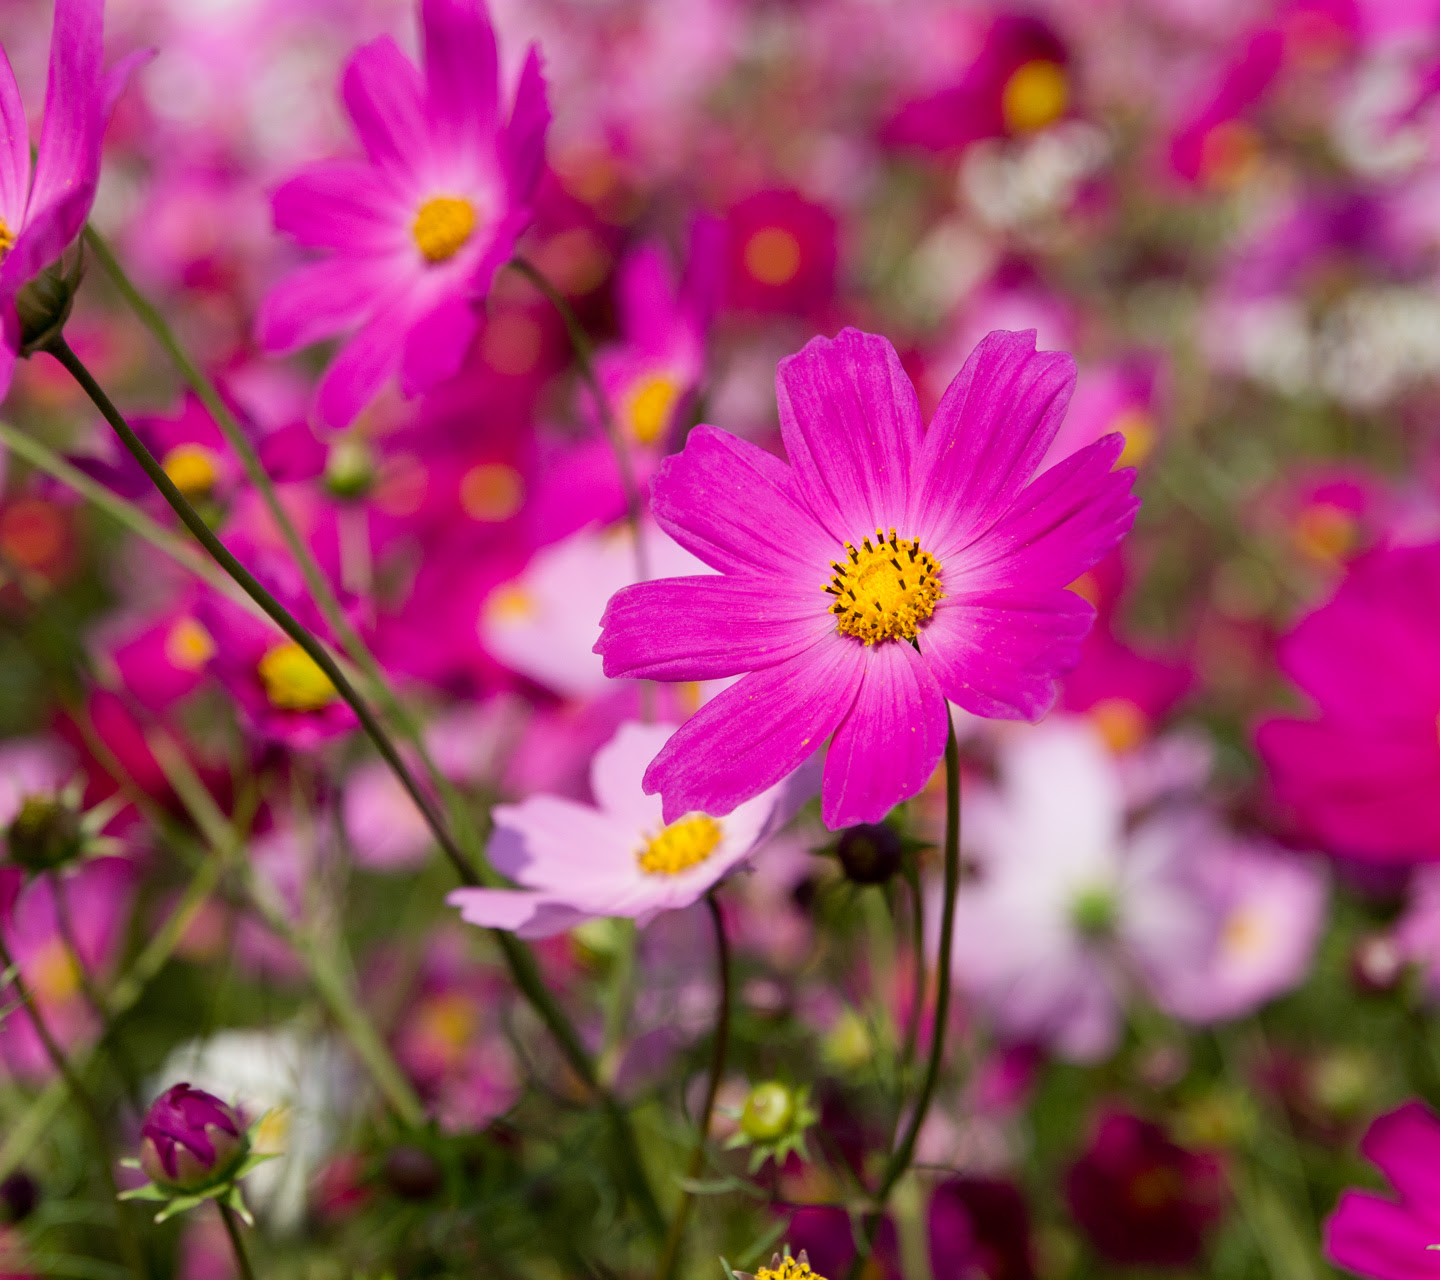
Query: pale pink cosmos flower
{"x": 619, "y": 857}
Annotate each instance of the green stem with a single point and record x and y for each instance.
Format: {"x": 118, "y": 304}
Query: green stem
{"x": 719, "y": 1047}
{"x": 129, "y": 1241}
{"x": 585, "y": 359}
{"x": 901, "y": 1156}
{"x": 277, "y": 612}
{"x": 237, "y": 1243}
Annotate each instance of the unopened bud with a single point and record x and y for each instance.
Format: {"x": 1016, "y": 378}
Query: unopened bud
{"x": 769, "y": 1112}
{"x": 190, "y": 1140}
{"x": 870, "y": 853}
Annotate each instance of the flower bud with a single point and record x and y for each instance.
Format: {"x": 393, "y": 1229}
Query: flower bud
{"x": 350, "y": 468}
{"x": 190, "y": 1140}
{"x": 44, "y": 834}
{"x": 769, "y": 1112}
{"x": 869, "y": 853}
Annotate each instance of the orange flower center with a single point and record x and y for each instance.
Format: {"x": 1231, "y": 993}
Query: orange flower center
{"x": 772, "y": 256}
{"x": 1036, "y": 94}
{"x": 7, "y": 238}
{"x": 192, "y": 469}
{"x": 650, "y": 406}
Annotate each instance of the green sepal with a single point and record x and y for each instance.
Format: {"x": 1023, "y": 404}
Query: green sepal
{"x": 148, "y": 1192}
{"x": 179, "y": 1205}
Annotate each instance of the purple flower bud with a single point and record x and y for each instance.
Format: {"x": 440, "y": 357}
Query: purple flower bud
{"x": 190, "y": 1139}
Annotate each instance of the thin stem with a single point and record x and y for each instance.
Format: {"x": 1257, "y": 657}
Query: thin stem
{"x": 129, "y": 1242}
{"x": 901, "y": 1156}
{"x": 277, "y": 612}
{"x": 585, "y": 360}
{"x": 917, "y": 998}
{"x": 237, "y": 1244}
{"x": 720, "y": 1045}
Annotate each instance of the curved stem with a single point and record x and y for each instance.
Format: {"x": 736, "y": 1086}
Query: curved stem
{"x": 585, "y": 359}
{"x": 129, "y": 1242}
{"x": 277, "y": 612}
{"x": 901, "y": 1156}
{"x": 237, "y": 1243}
{"x": 719, "y": 1048}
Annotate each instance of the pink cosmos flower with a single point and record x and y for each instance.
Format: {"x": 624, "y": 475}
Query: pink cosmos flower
{"x": 886, "y": 569}
{"x": 1363, "y": 777}
{"x": 1384, "y": 1237}
{"x": 621, "y": 858}
{"x": 43, "y": 211}
{"x": 417, "y": 230}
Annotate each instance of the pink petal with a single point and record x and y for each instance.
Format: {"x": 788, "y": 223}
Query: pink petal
{"x": 522, "y": 144}
{"x": 384, "y": 95}
{"x": 9, "y": 346}
{"x": 14, "y": 150}
{"x": 321, "y": 299}
{"x": 755, "y": 732}
{"x": 645, "y": 299}
{"x": 524, "y": 912}
{"x": 437, "y": 343}
{"x": 707, "y": 628}
{"x": 68, "y": 160}
{"x": 1062, "y": 524}
{"x": 736, "y": 507}
{"x": 992, "y": 428}
{"x": 889, "y": 744}
{"x": 343, "y": 204}
{"x": 461, "y": 68}
{"x": 1376, "y": 1238}
{"x": 852, "y": 429}
{"x": 359, "y": 371}
{"x": 999, "y": 653}
{"x": 1405, "y": 1146}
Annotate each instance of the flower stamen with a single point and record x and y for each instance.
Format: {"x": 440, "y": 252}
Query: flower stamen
{"x": 885, "y": 590}
{"x": 680, "y": 846}
{"x": 7, "y": 238}
{"x": 442, "y": 226}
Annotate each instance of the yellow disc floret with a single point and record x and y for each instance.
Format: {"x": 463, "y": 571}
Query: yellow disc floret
{"x": 797, "y": 1268}
{"x": 772, "y": 256}
{"x": 192, "y": 469}
{"x": 682, "y": 845}
{"x": 884, "y": 589}
{"x": 650, "y": 406}
{"x": 293, "y": 680}
{"x": 442, "y": 226}
{"x": 7, "y": 238}
{"x": 1036, "y": 94}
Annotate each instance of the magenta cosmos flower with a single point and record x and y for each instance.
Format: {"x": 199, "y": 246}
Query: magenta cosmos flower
{"x": 886, "y": 569}
{"x": 1363, "y": 776}
{"x": 417, "y": 229}
{"x": 1391, "y": 1238}
{"x": 43, "y": 211}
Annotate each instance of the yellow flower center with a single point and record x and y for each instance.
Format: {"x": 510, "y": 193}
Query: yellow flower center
{"x": 54, "y": 976}
{"x": 293, "y": 680}
{"x": 1244, "y": 932}
{"x": 682, "y": 845}
{"x": 192, "y": 469}
{"x": 491, "y": 492}
{"x": 885, "y": 589}
{"x": 1325, "y": 532}
{"x": 650, "y": 408}
{"x": 1138, "y": 428}
{"x": 772, "y": 256}
{"x": 1120, "y": 722}
{"x": 442, "y": 226}
{"x": 188, "y": 645}
{"x": 788, "y": 1269}
{"x": 7, "y": 238}
{"x": 1036, "y": 94}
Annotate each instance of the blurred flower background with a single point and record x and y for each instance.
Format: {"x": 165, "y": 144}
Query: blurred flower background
{"x": 1197, "y": 937}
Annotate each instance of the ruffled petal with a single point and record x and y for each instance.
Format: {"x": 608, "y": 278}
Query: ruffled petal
{"x": 992, "y": 428}
{"x": 14, "y": 150}
{"x": 999, "y": 653}
{"x": 755, "y": 732}
{"x": 385, "y": 98}
{"x": 736, "y": 507}
{"x": 852, "y": 428}
{"x": 1062, "y": 524}
{"x": 321, "y": 299}
{"x": 342, "y": 204}
{"x": 889, "y": 744}
{"x": 707, "y": 628}
{"x": 522, "y": 144}
{"x": 462, "y": 68}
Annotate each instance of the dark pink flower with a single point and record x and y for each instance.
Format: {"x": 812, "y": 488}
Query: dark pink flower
{"x": 1385, "y": 1237}
{"x": 1362, "y": 777}
{"x": 886, "y": 569}
{"x": 42, "y": 211}
{"x": 1140, "y": 1198}
{"x": 190, "y": 1139}
{"x": 781, "y": 254}
{"x": 417, "y": 230}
